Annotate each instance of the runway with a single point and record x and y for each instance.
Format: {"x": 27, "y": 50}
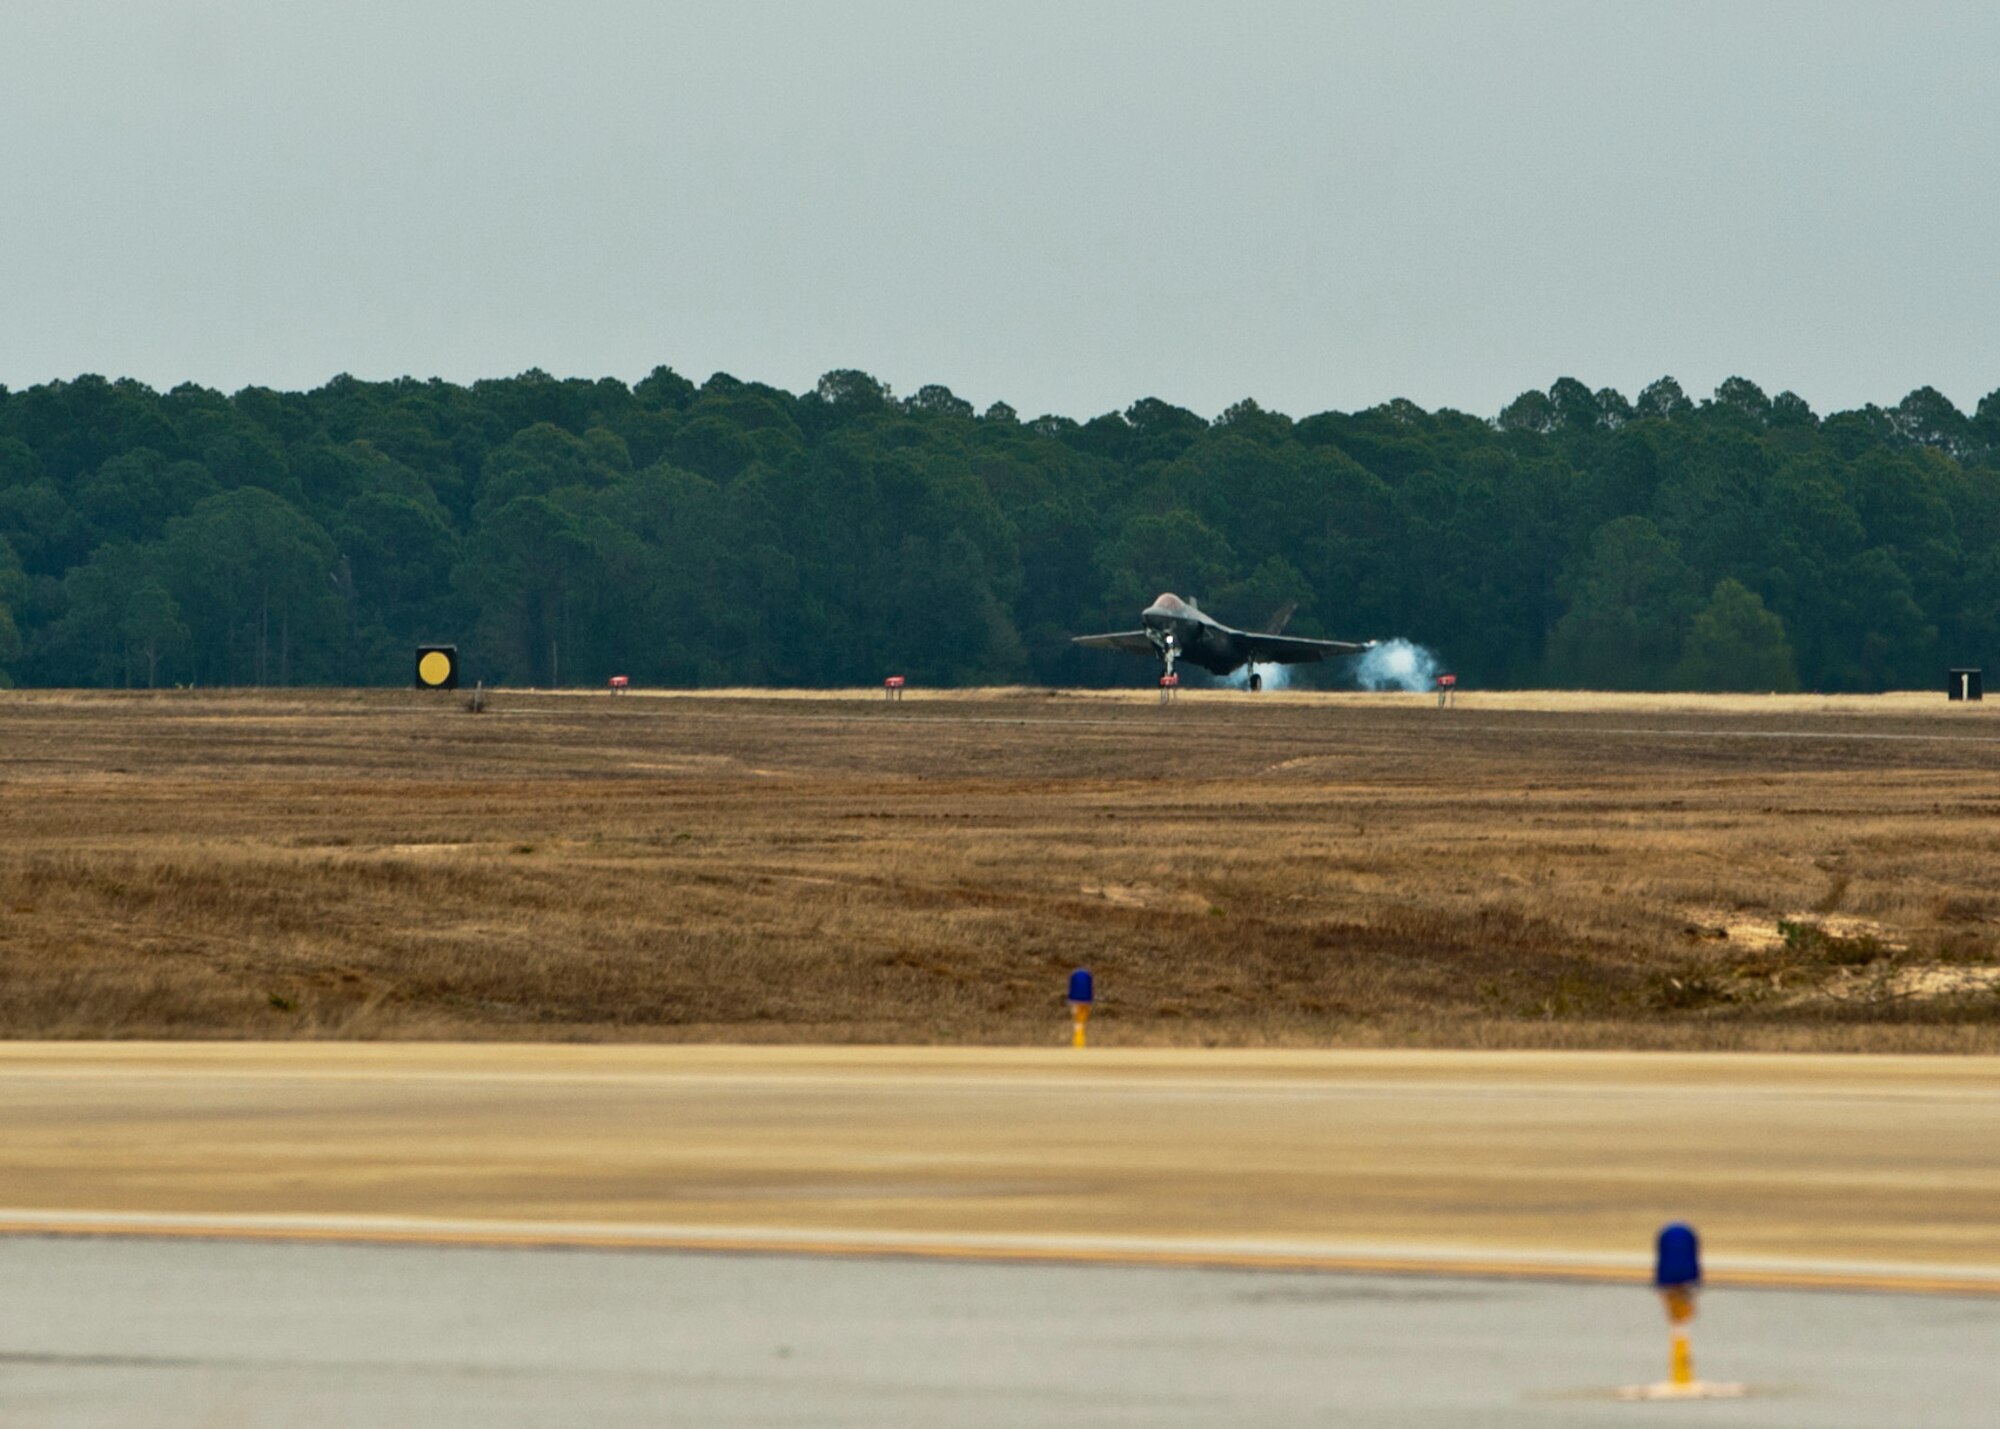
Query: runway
{"x": 189, "y": 1336}
{"x": 1799, "y": 1171}
{"x": 359, "y": 1234}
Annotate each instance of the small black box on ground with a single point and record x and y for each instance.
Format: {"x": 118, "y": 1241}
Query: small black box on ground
{"x": 437, "y": 667}
{"x": 1964, "y": 685}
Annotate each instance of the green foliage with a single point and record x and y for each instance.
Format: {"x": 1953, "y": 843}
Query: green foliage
{"x": 1736, "y": 644}
{"x": 256, "y": 576}
{"x": 1813, "y": 942}
{"x": 1175, "y": 551}
{"x": 733, "y": 532}
{"x": 13, "y": 586}
{"x": 1630, "y": 598}
{"x": 121, "y": 622}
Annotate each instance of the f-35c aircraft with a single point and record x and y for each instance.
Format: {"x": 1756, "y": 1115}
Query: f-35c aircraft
{"x": 1176, "y": 629}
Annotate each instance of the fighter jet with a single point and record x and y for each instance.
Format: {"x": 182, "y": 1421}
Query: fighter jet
{"x": 1176, "y": 629}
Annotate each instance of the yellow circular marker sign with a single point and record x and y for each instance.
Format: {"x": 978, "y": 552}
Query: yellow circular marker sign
{"x": 437, "y": 667}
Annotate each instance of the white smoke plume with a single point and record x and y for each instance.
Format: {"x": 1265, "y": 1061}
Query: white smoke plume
{"x": 1399, "y": 665}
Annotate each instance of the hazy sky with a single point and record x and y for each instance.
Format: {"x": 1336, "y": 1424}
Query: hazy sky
{"x": 1065, "y": 206}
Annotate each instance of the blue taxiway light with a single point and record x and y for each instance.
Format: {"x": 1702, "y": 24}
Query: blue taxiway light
{"x": 1679, "y": 1260}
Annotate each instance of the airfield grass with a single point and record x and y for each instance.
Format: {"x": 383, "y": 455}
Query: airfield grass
{"x": 1540, "y": 870}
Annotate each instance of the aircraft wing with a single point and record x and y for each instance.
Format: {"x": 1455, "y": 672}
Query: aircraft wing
{"x": 1136, "y": 641}
{"x": 1295, "y": 649}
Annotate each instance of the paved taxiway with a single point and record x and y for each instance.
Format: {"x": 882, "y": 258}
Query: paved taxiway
{"x": 165, "y": 1199}
{"x": 1798, "y": 1170}
{"x": 185, "y": 1335}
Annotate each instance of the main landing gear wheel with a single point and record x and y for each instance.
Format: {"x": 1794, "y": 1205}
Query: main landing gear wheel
{"x": 1256, "y": 682}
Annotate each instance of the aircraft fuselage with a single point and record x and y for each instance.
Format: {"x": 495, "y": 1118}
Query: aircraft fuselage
{"x": 1174, "y": 624}
{"x": 1172, "y": 629}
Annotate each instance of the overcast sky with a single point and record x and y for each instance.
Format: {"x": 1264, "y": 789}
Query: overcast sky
{"x": 1064, "y": 206}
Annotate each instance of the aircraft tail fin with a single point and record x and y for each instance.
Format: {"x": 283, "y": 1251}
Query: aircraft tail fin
{"x": 1277, "y": 623}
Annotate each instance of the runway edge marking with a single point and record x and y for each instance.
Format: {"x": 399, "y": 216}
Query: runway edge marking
{"x": 1030, "y": 1250}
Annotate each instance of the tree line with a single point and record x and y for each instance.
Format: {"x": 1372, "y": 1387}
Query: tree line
{"x": 734, "y": 533}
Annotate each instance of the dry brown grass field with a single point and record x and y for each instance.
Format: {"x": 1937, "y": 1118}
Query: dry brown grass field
{"x": 1527, "y": 870}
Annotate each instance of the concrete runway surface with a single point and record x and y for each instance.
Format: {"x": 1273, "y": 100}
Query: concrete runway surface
{"x": 164, "y": 1199}
{"x": 1797, "y": 1170}
{"x": 193, "y": 1336}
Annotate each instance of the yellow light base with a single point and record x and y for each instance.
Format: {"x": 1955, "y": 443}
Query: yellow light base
{"x": 1695, "y": 1389}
